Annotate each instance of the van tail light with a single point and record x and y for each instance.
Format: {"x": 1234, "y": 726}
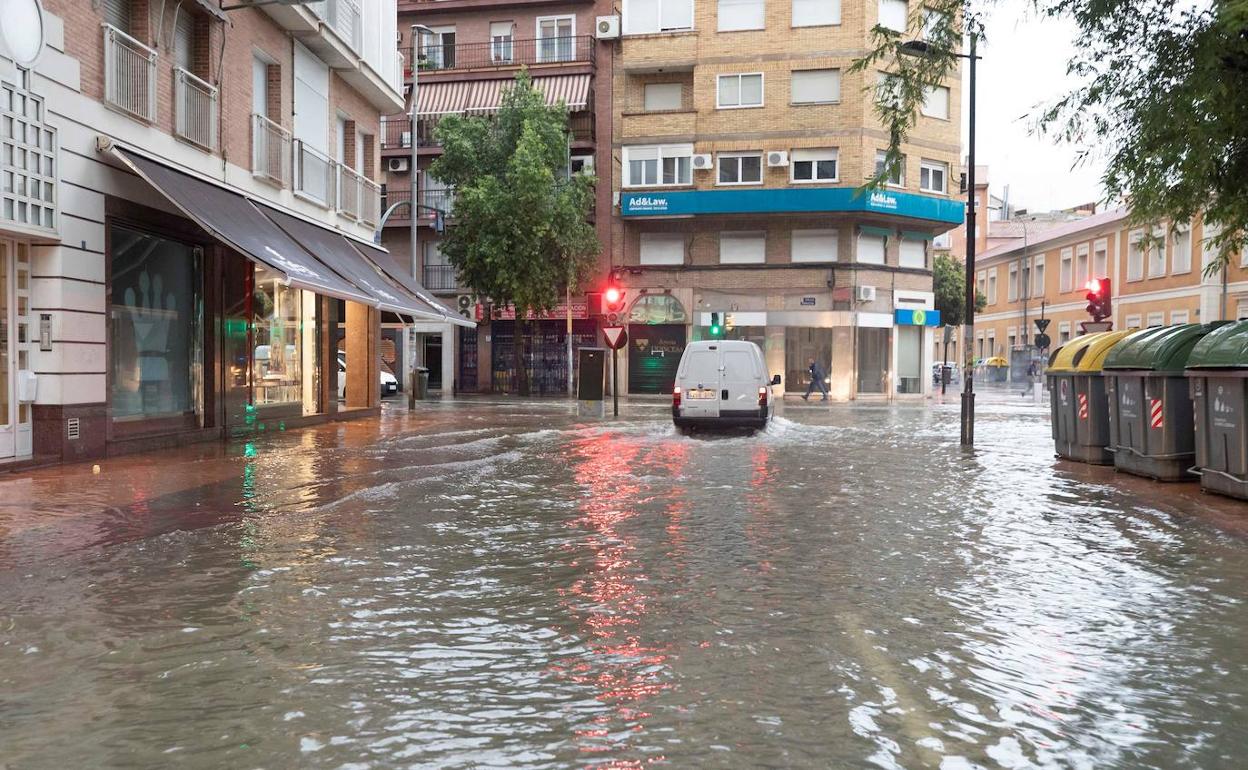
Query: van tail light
{"x": 676, "y": 397}
{"x": 762, "y": 396}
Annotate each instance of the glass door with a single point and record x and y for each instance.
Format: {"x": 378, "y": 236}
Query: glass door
{"x": 16, "y": 436}
{"x": 8, "y": 445}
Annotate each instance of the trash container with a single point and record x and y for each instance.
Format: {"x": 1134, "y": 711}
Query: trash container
{"x": 1150, "y": 411}
{"x": 1217, "y": 372}
{"x": 422, "y": 382}
{"x": 1079, "y": 408}
{"x": 996, "y": 369}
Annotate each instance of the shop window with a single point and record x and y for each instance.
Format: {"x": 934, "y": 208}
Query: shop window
{"x": 801, "y": 344}
{"x": 910, "y": 359}
{"x": 155, "y": 326}
{"x": 278, "y": 366}
{"x": 872, "y": 359}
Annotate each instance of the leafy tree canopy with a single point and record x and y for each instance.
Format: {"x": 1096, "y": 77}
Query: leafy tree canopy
{"x": 949, "y": 284}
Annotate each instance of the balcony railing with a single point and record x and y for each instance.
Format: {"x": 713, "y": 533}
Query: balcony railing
{"x": 314, "y": 174}
{"x": 129, "y": 74}
{"x": 441, "y": 278}
{"x": 358, "y": 197}
{"x": 509, "y": 53}
{"x": 270, "y": 151}
{"x": 396, "y": 130}
{"x": 195, "y": 109}
{"x": 441, "y": 199}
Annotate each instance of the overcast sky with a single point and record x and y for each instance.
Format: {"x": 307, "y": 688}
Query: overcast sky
{"x": 1024, "y": 64}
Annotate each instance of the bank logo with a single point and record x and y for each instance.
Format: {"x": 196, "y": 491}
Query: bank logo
{"x": 647, "y": 203}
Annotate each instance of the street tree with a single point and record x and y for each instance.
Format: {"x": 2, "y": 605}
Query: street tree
{"x": 520, "y": 235}
{"x": 949, "y": 283}
{"x": 1160, "y": 93}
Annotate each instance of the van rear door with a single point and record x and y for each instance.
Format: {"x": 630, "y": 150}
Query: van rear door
{"x": 699, "y": 380}
{"x": 740, "y": 381}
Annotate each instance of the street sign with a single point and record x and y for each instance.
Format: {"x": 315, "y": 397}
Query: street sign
{"x": 1041, "y": 325}
{"x": 1088, "y": 327}
{"x": 616, "y": 336}
{"x": 1043, "y": 341}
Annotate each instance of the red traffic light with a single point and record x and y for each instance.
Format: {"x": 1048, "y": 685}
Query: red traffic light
{"x": 1094, "y": 287}
{"x": 1100, "y": 303}
{"x": 612, "y": 295}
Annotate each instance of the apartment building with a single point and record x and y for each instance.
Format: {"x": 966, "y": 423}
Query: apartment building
{"x": 189, "y": 197}
{"x": 465, "y": 54}
{"x": 739, "y": 139}
{"x": 1157, "y": 277}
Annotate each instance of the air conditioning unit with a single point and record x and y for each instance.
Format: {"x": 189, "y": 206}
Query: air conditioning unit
{"x": 703, "y": 162}
{"x": 466, "y": 304}
{"x": 397, "y": 164}
{"x": 777, "y": 158}
{"x": 864, "y": 293}
{"x": 607, "y": 28}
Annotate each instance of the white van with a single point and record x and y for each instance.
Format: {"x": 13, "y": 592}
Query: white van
{"x": 722, "y": 383}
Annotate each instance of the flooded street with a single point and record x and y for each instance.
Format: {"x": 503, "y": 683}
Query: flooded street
{"x": 491, "y": 584}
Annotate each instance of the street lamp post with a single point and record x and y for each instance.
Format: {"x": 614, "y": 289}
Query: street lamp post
{"x": 922, "y": 48}
{"x": 414, "y": 205}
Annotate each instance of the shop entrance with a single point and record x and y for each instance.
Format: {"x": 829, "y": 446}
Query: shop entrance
{"x": 654, "y": 353}
{"x": 15, "y": 422}
{"x": 433, "y": 360}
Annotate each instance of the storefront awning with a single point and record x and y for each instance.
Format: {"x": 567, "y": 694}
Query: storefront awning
{"x": 483, "y": 96}
{"x": 334, "y": 250}
{"x": 396, "y": 272}
{"x": 232, "y": 219}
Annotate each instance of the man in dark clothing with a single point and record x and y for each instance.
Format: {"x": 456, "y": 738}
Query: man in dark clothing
{"x": 817, "y": 376}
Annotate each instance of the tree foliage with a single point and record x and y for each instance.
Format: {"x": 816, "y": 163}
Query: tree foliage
{"x": 520, "y": 234}
{"x": 949, "y": 283}
{"x": 1161, "y": 95}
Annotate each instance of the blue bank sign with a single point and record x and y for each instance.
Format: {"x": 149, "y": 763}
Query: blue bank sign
{"x": 790, "y": 200}
{"x": 916, "y": 317}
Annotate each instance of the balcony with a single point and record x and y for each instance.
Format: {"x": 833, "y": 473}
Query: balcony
{"x": 359, "y": 198}
{"x": 314, "y": 175}
{"x": 129, "y": 75}
{"x": 270, "y": 151}
{"x": 432, "y": 200}
{"x": 496, "y": 55}
{"x": 194, "y": 109}
{"x": 440, "y": 278}
{"x": 396, "y": 130}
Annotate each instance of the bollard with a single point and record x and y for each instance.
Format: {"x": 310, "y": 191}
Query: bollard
{"x": 1037, "y": 392}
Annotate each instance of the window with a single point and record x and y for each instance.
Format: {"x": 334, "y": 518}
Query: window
{"x": 1081, "y": 265}
{"x": 740, "y": 168}
{"x": 814, "y": 246}
{"x": 662, "y": 249}
{"x": 816, "y": 86}
{"x": 556, "y": 38}
{"x": 933, "y": 176}
{"x": 278, "y": 366}
{"x": 1024, "y": 279}
{"x": 1037, "y": 277}
{"x": 936, "y": 102}
{"x": 742, "y": 248}
{"x": 117, "y": 13}
{"x": 1178, "y": 316}
{"x": 184, "y": 41}
{"x": 1241, "y": 310}
{"x": 1133, "y": 321}
{"x": 658, "y": 165}
{"x": 1011, "y": 288}
{"x": 893, "y": 14}
{"x": 745, "y": 90}
{"x": 1181, "y": 249}
{"x": 912, "y": 252}
{"x": 663, "y": 96}
{"x": 871, "y": 247}
{"x": 1100, "y": 259}
{"x": 813, "y": 165}
{"x": 873, "y": 345}
{"x": 932, "y": 20}
{"x": 1065, "y": 275}
{"x": 1135, "y": 256}
{"x": 1157, "y": 253}
{"x": 740, "y": 14}
{"x": 1063, "y": 333}
{"x": 909, "y": 359}
{"x": 981, "y": 283}
{"x": 645, "y": 16}
{"x": 887, "y": 89}
{"x": 992, "y": 286}
{"x": 898, "y": 177}
{"x": 439, "y": 48}
{"x": 942, "y": 241}
{"x": 815, "y": 13}
{"x": 1156, "y": 319}
{"x": 502, "y": 38}
{"x": 259, "y": 86}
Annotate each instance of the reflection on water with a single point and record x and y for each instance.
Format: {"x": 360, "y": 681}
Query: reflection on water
{"x": 503, "y": 586}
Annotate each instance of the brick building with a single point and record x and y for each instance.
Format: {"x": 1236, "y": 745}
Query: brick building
{"x": 739, "y": 139}
{"x": 185, "y": 236}
{"x": 1157, "y": 277}
{"x": 470, "y": 52}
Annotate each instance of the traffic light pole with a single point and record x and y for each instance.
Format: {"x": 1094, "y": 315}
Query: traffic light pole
{"x": 615, "y": 381}
{"x": 968, "y": 330}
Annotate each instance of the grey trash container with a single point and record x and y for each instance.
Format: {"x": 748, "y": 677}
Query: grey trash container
{"x": 1079, "y": 407}
{"x": 1217, "y": 371}
{"x": 422, "y": 382}
{"x": 1150, "y": 410}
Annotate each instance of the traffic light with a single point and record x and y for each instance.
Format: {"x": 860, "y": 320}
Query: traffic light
{"x": 717, "y": 326}
{"x": 1100, "y": 304}
{"x": 613, "y": 304}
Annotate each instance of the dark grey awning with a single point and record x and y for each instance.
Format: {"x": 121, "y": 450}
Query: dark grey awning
{"x": 396, "y": 273}
{"x": 233, "y": 219}
{"x": 331, "y": 248}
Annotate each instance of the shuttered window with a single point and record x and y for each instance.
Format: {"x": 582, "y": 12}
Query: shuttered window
{"x": 184, "y": 41}
{"x": 117, "y": 13}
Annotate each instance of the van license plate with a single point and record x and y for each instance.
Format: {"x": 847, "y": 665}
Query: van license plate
{"x": 704, "y": 393}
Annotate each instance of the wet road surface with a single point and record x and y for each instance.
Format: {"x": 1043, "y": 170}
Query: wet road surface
{"x": 506, "y": 585}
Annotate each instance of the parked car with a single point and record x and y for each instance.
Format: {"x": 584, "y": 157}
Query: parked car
{"x": 722, "y": 384}
{"x": 389, "y": 384}
{"x": 954, "y": 373}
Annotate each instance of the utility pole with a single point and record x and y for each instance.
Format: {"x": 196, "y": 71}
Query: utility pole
{"x": 968, "y": 330}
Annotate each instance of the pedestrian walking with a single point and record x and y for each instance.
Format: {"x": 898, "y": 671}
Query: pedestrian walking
{"x": 817, "y": 376}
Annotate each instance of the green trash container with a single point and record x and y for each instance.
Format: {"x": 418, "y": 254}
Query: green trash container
{"x": 1078, "y": 407}
{"x": 1217, "y": 372}
{"x": 1150, "y": 410}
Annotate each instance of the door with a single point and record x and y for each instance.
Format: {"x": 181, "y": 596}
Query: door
{"x": 7, "y": 364}
{"x": 700, "y": 377}
{"x": 555, "y": 38}
{"x": 742, "y": 374}
{"x": 433, "y": 360}
{"x": 654, "y": 352}
{"x": 16, "y": 437}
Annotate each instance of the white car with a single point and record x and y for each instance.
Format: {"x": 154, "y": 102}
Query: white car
{"x": 389, "y": 385}
{"x": 722, "y": 384}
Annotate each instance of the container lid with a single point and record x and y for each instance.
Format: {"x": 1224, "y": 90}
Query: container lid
{"x": 1223, "y": 348}
{"x": 1086, "y": 353}
{"x": 1158, "y": 349}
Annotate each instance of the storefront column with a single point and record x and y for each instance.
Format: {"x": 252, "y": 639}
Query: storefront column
{"x": 774, "y": 356}
{"x": 327, "y": 321}
{"x": 449, "y": 373}
{"x": 844, "y": 371}
{"x": 362, "y": 375}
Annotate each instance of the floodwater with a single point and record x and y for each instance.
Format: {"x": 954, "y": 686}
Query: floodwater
{"x": 506, "y": 585}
